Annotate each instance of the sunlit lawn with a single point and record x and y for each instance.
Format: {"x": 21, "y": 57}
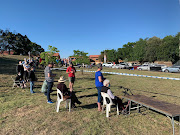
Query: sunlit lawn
{"x": 25, "y": 113}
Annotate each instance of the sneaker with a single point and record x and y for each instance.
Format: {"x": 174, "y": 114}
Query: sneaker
{"x": 49, "y": 102}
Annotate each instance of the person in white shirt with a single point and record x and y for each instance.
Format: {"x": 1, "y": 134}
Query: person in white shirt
{"x": 26, "y": 70}
{"x": 115, "y": 99}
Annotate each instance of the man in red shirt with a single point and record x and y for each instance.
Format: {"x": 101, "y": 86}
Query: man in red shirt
{"x": 71, "y": 74}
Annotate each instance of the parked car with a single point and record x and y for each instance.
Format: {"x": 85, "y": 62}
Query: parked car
{"x": 120, "y": 66}
{"x": 116, "y": 66}
{"x": 109, "y": 64}
{"x": 124, "y": 65}
{"x": 144, "y": 67}
{"x": 172, "y": 69}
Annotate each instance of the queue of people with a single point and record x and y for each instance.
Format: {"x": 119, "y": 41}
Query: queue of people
{"x": 25, "y": 73}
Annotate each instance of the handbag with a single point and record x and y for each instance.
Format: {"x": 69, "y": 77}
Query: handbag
{"x": 44, "y": 87}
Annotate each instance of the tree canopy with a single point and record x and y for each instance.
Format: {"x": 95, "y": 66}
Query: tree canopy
{"x": 148, "y": 49}
{"x": 81, "y": 57}
{"x": 18, "y": 43}
{"x": 48, "y": 55}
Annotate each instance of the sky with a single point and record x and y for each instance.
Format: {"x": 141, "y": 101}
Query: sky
{"x": 89, "y": 25}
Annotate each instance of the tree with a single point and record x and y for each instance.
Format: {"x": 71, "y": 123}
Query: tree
{"x": 128, "y": 50}
{"x": 48, "y": 55}
{"x": 121, "y": 53}
{"x": 152, "y": 48}
{"x": 81, "y": 57}
{"x": 139, "y": 50}
{"x": 18, "y": 43}
{"x": 110, "y": 54}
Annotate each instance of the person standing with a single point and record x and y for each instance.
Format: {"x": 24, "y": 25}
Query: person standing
{"x": 71, "y": 74}
{"x": 37, "y": 62}
{"x": 32, "y": 79}
{"x": 49, "y": 77}
{"x": 20, "y": 70}
{"x": 65, "y": 62}
{"x": 26, "y": 70}
{"x": 99, "y": 84}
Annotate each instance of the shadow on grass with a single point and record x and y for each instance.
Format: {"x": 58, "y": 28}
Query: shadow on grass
{"x": 80, "y": 89}
{"x": 37, "y": 87}
{"x": 176, "y": 118}
{"x": 158, "y": 93}
{"x": 8, "y": 66}
{"x": 90, "y": 106}
{"x": 43, "y": 81}
{"x": 88, "y": 95}
{"x": 149, "y": 92}
{"x": 87, "y": 79}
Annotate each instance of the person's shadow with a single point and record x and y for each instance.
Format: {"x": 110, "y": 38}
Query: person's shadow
{"x": 92, "y": 95}
{"x": 90, "y": 106}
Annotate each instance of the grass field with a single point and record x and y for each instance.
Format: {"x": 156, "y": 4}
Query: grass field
{"x": 25, "y": 113}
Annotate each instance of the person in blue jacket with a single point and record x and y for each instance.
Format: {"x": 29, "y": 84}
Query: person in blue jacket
{"x": 99, "y": 84}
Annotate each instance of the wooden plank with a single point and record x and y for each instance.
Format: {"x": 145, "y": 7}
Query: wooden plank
{"x": 160, "y": 106}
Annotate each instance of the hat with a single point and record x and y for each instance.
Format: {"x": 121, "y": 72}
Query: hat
{"x": 61, "y": 79}
{"x": 105, "y": 82}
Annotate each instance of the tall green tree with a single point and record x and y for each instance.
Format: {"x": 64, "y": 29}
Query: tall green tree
{"x": 81, "y": 57}
{"x": 18, "y": 43}
{"x": 48, "y": 55}
{"x": 139, "y": 50}
{"x": 128, "y": 50}
{"x": 152, "y": 49}
{"x": 111, "y": 55}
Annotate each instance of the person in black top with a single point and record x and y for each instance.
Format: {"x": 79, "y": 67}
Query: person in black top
{"x": 19, "y": 81}
{"x": 32, "y": 78}
{"x": 20, "y": 70}
{"x": 66, "y": 93}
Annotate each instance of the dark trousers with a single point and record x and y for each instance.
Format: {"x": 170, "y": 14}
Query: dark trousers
{"x": 26, "y": 75}
{"x": 49, "y": 90}
{"x": 72, "y": 96}
{"x": 99, "y": 94}
{"x": 118, "y": 101}
{"x": 74, "y": 99}
{"x": 21, "y": 76}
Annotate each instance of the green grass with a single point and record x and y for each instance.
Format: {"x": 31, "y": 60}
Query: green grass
{"x": 24, "y": 113}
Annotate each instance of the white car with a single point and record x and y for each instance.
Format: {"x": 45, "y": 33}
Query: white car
{"x": 144, "y": 67}
{"x": 116, "y": 66}
{"x": 173, "y": 69}
{"x": 121, "y": 66}
{"x": 109, "y": 64}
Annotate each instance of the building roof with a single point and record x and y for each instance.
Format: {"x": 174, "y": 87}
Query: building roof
{"x": 56, "y": 54}
{"x": 94, "y": 56}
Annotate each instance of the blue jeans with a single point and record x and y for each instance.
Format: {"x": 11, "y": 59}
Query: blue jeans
{"x": 49, "y": 85}
{"x": 99, "y": 94}
{"x": 31, "y": 86}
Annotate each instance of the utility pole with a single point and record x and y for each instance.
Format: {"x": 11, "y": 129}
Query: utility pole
{"x": 105, "y": 57}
